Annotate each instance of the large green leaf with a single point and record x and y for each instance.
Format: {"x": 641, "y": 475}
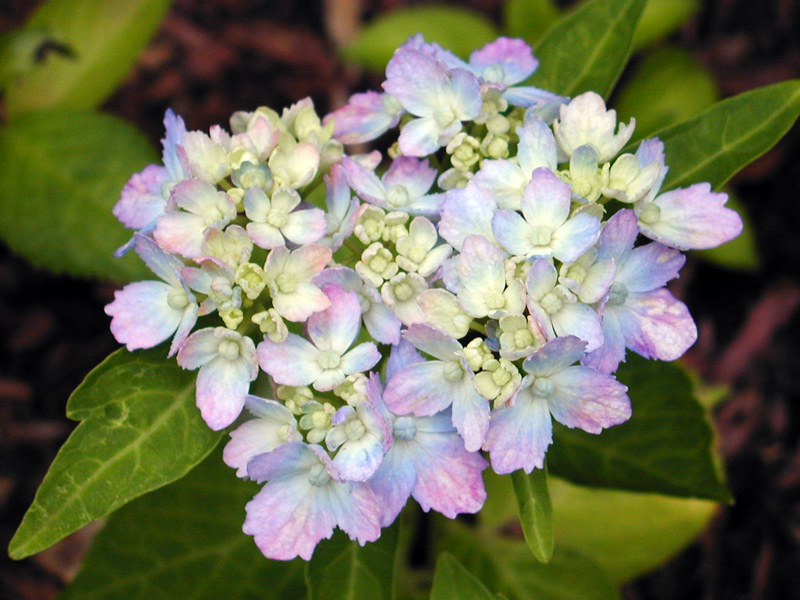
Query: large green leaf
{"x": 104, "y": 36}
{"x": 452, "y": 581}
{"x": 342, "y": 570}
{"x": 625, "y": 533}
{"x": 535, "y": 511}
{"x": 62, "y": 173}
{"x": 457, "y": 29}
{"x": 185, "y": 541}
{"x": 588, "y": 49}
{"x": 662, "y": 18}
{"x": 506, "y": 565}
{"x": 529, "y": 19}
{"x": 665, "y": 447}
{"x": 667, "y": 87}
{"x": 139, "y": 430}
{"x": 730, "y": 135}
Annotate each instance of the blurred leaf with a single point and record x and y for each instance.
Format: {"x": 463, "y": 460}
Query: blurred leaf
{"x": 451, "y": 581}
{"x": 139, "y": 430}
{"x": 22, "y": 49}
{"x": 666, "y": 447}
{"x": 535, "y": 511}
{"x": 625, "y": 533}
{"x": 62, "y": 173}
{"x": 661, "y": 18}
{"x": 587, "y": 49}
{"x": 185, "y": 541}
{"x": 668, "y": 86}
{"x": 456, "y": 29}
{"x": 730, "y": 135}
{"x": 105, "y": 36}
{"x": 529, "y": 19}
{"x": 740, "y": 253}
{"x": 506, "y": 565}
{"x": 341, "y": 569}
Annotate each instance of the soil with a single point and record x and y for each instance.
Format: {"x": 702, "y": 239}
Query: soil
{"x": 212, "y": 57}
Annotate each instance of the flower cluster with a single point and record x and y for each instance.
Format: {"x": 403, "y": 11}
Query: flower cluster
{"x": 384, "y": 327}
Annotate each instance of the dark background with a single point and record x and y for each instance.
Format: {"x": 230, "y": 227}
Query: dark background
{"x": 212, "y": 57}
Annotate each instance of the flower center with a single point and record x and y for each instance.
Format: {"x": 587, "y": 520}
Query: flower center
{"x": 228, "y": 349}
{"x": 495, "y": 300}
{"x": 318, "y": 475}
{"x": 543, "y": 387}
{"x": 577, "y": 273}
{"x": 405, "y": 428}
{"x": 618, "y": 293}
{"x": 541, "y": 235}
{"x": 397, "y": 195}
{"x": 286, "y": 283}
{"x": 651, "y": 213}
{"x": 355, "y": 429}
{"x": 453, "y": 371}
{"x": 552, "y": 303}
{"x": 328, "y": 359}
{"x": 494, "y": 74}
{"x": 277, "y": 218}
{"x": 403, "y": 291}
{"x": 523, "y": 338}
{"x": 177, "y": 299}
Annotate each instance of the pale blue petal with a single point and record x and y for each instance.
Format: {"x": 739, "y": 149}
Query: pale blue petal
{"x": 649, "y": 267}
{"x": 512, "y": 232}
{"x": 555, "y": 356}
{"x": 519, "y": 434}
{"x": 580, "y": 320}
{"x": 470, "y": 414}
{"x": 537, "y": 146}
{"x": 361, "y": 358}
{"x": 336, "y": 327}
{"x": 575, "y": 237}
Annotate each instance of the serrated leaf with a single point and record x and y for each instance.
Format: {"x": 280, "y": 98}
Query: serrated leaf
{"x": 715, "y": 145}
{"x": 625, "y": 533}
{"x": 456, "y": 29}
{"x": 667, "y": 87}
{"x": 139, "y": 430}
{"x": 662, "y": 18}
{"x": 452, "y": 581}
{"x": 505, "y": 564}
{"x": 535, "y": 511}
{"x": 529, "y": 19}
{"x": 341, "y": 569}
{"x": 740, "y": 253}
{"x": 665, "y": 447}
{"x": 62, "y": 173}
{"x": 587, "y": 49}
{"x": 185, "y": 541}
{"x": 105, "y": 38}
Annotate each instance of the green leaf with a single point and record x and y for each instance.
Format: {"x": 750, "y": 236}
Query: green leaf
{"x": 740, "y": 253}
{"x": 730, "y": 135}
{"x": 506, "y": 565}
{"x": 342, "y": 570}
{"x": 104, "y": 36}
{"x": 62, "y": 173}
{"x": 529, "y": 19}
{"x": 535, "y": 511}
{"x": 661, "y": 18}
{"x": 452, "y": 581}
{"x": 625, "y": 533}
{"x": 139, "y": 430}
{"x": 587, "y": 49}
{"x": 666, "y": 447}
{"x": 668, "y": 87}
{"x": 185, "y": 541}
{"x": 456, "y": 29}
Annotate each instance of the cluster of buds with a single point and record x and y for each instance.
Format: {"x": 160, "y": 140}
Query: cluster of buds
{"x": 388, "y": 331}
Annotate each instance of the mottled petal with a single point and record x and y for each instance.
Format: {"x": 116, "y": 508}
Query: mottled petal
{"x": 650, "y": 267}
{"x": 656, "y": 325}
{"x": 519, "y": 434}
{"x": 588, "y": 400}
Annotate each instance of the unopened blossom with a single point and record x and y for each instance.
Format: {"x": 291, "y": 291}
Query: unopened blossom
{"x": 227, "y": 363}
{"x": 442, "y": 311}
{"x": 207, "y": 158}
{"x": 400, "y": 294}
{"x": 303, "y": 501}
{"x": 271, "y": 324}
{"x": 145, "y": 313}
{"x": 575, "y": 396}
{"x": 519, "y": 336}
{"x": 377, "y": 264}
{"x": 271, "y": 426}
{"x": 232, "y": 246}
{"x": 326, "y": 360}
{"x": 588, "y": 277}
{"x": 342, "y": 209}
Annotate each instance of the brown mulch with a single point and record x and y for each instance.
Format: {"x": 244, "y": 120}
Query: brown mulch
{"x": 212, "y": 57}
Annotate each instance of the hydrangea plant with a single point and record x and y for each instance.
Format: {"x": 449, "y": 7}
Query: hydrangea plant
{"x": 369, "y": 328}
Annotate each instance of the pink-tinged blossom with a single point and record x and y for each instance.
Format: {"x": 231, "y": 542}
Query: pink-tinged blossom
{"x": 427, "y": 461}
{"x": 400, "y": 294}
{"x": 506, "y": 180}
{"x": 575, "y": 396}
{"x": 381, "y": 323}
{"x": 365, "y": 117}
{"x": 303, "y": 501}
{"x": 227, "y": 363}
{"x": 556, "y": 309}
{"x": 640, "y": 313}
{"x": 275, "y": 220}
{"x": 289, "y": 274}
{"x": 467, "y": 211}
{"x": 482, "y": 273}
{"x": 360, "y": 436}
{"x": 216, "y": 279}
{"x": 271, "y": 426}
{"x": 326, "y": 360}
{"x": 588, "y": 277}
{"x": 195, "y": 207}
{"x": 440, "y": 97}
{"x": 429, "y": 387}
{"x": 418, "y": 251}
{"x": 585, "y": 120}
{"x": 404, "y": 186}
{"x": 545, "y": 227}
{"x": 145, "y": 313}
{"x": 342, "y": 209}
